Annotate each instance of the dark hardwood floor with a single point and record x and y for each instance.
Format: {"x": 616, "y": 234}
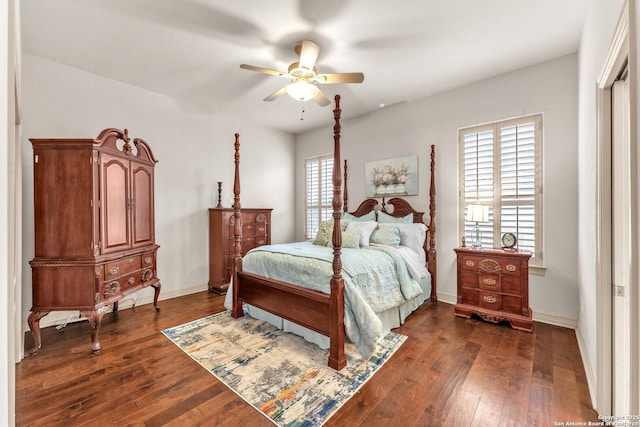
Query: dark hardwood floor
{"x": 450, "y": 372}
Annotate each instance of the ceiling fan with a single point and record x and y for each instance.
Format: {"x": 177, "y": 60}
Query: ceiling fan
{"x": 304, "y": 78}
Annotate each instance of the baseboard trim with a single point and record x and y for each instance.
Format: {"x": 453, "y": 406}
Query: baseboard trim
{"x": 142, "y": 297}
{"x": 588, "y": 368}
{"x": 551, "y": 319}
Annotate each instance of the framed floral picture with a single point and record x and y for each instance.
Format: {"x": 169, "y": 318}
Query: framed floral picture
{"x": 392, "y": 177}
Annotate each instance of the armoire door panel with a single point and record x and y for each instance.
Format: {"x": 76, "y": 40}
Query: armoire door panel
{"x": 142, "y": 205}
{"x": 115, "y": 204}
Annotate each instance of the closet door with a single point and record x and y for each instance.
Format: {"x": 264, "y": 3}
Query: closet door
{"x": 115, "y": 203}
{"x": 142, "y": 204}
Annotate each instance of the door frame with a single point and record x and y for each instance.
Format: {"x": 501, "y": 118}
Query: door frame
{"x": 620, "y": 54}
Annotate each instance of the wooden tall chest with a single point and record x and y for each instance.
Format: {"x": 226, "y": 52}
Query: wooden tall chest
{"x": 256, "y": 231}
{"x": 94, "y": 226}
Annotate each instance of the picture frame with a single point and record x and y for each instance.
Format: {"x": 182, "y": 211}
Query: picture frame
{"x": 392, "y": 177}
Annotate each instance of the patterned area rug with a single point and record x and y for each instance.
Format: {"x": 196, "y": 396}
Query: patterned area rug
{"x": 278, "y": 373}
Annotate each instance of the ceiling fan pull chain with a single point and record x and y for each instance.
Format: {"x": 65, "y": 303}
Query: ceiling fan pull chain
{"x": 302, "y": 113}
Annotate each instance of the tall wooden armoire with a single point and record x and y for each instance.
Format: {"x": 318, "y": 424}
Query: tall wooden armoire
{"x": 94, "y": 226}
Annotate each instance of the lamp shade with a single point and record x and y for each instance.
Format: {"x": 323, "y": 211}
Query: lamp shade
{"x": 302, "y": 91}
{"x": 477, "y": 213}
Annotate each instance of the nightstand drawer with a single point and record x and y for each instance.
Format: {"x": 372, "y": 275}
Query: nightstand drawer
{"x": 489, "y": 282}
{"x": 490, "y": 300}
{"x": 469, "y": 279}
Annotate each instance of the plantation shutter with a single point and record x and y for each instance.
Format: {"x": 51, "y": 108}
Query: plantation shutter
{"x": 501, "y": 168}
{"x": 319, "y": 193}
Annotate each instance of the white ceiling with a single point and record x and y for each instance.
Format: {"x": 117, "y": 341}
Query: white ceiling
{"x": 407, "y": 49}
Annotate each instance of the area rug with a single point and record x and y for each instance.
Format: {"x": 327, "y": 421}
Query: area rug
{"x": 280, "y": 374}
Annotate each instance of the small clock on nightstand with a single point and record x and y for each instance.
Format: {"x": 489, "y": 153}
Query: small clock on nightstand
{"x": 509, "y": 241}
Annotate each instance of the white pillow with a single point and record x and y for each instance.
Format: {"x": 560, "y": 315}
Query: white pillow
{"x": 365, "y": 228}
{"x": 411, "y": 236}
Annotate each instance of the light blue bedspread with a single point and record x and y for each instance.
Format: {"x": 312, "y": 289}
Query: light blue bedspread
{"x": 375, "y": 278}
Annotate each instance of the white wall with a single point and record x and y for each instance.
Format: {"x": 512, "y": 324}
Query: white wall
{"x": 410, "y": 128}
{"x": 194, "y": 149}
{"x": 598, "y": 31}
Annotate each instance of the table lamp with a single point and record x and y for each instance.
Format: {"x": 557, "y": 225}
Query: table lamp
{"x": 477, "y": 214}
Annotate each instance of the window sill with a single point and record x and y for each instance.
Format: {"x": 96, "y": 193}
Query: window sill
{"x": 537, "y": 270}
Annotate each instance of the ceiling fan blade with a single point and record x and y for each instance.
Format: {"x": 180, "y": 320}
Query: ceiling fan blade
{"x": 308, "y": 54}
{"x": 340, "y": 78}
{"x": 276, "y": 94}
{"x": 321, "y": 99}
{"x": 264, "y": 70}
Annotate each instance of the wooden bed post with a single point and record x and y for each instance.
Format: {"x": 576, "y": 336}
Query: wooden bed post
{"x": 337, "y": 359}
{"x": 432, "y": 227}
{"x": 345, "y": 197}
{"x": 236, "y": 310}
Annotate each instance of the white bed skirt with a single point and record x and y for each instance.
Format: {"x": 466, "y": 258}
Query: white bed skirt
{"x": 391, "y": 318}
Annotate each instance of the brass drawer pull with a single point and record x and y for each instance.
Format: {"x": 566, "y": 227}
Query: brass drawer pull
{"x": 148, "y": 260}
{"x": 511, "y": 267}
{"x": 261, "y": 229}
{"x": 490, "y": 299}
{"x": 261, "y": 242}
{"x": 491, "y": 282}
{"x": 131, "y": 280}
{"x": 112, "y": 288}
{"x": 114, "y": 270}
{"x": 470, "y": 263}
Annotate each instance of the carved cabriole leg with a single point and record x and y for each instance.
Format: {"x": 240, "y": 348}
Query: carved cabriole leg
{"x": 95, "y": 319}
{"x": 156, "y": 293}
{"x": 34, "y": 325}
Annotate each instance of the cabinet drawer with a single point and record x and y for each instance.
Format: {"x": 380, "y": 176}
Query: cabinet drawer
{"x": 489, "y": 282}
{"x": 490, "y": 300}
{"x": 120, "y": 267}
{"x": 118, "y": 287}
{"x": 470, "y": 263}
{"x": 511, "y": 267}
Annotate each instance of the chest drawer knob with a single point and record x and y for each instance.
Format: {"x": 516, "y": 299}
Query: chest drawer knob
{"x": 131, "y": 280}
{"x": 261, "y": 242}
{"x": 470, "y": 263}
{"x": 490, "y": 299}
{"x": 148, "y": 260}
{"x": 114, "y": 270}
{"x": 491, "y": 282}
{"x": 511, "y": 267}
{"x": 261, "y": 229}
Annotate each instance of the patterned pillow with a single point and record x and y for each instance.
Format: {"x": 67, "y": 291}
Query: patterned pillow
{"x": 389, "y": 236}
{"x": 323, "y": 236}
{"x": 350, "y": 239}
{"x": 384, "y": 217}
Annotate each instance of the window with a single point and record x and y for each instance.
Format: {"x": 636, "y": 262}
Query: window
{"x": 501, "y": 167}
{"x": 319, "y": 193}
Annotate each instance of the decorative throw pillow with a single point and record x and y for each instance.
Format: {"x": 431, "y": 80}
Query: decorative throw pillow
{"x": 350, "y": 239}
{"x": 371, "y": 216}
{"x": 412, "y": 236}
{"x": 323, "y": 236}
{"x": 384, "y": 217}
{"x": 388, "y": 235}
{"x": 365, "y": 228}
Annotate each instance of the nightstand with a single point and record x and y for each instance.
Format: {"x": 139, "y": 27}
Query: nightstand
{"x": 494, "y": 284}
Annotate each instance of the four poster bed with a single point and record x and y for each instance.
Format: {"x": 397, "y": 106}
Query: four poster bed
{"x": 263, "y": 285}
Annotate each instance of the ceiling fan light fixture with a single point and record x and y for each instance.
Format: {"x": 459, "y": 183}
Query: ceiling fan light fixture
{"x": 302, "y": 90}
